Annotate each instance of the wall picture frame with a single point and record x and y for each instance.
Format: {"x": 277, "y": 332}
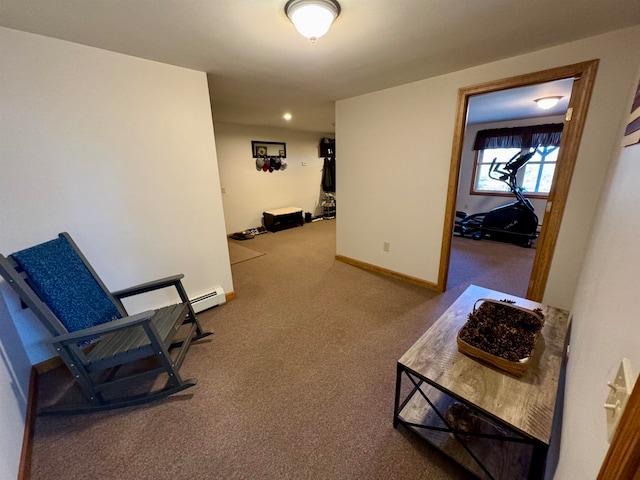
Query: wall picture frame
{"x": 261, "y": 148}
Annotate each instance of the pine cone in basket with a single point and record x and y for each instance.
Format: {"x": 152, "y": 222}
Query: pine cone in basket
{"x": 502, "y": 331}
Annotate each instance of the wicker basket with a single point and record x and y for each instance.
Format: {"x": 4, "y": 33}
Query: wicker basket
{"x": 516, "y": 368}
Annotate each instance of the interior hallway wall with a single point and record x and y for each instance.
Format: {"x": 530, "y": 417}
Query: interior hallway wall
{"x": 248, "y": 192}
{"x": 14, "y": 392}
{"x": 116, "y": 150}
{"x": 395, "y": 152}
{"x": 605, "y": 319}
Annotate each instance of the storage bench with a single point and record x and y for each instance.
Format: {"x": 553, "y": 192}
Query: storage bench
{"x": 281, "y": 218}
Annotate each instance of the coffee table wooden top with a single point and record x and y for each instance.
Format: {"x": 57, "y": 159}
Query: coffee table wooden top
{"x": 526, "y": 403}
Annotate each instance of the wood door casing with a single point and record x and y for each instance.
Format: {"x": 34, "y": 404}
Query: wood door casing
{"x": 622, "y": 460}
{"x": 584, "y": 74}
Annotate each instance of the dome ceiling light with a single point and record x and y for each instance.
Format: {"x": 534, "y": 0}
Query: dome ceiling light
{"x": 547, "y": 102}
{"x": 312, "y": 18}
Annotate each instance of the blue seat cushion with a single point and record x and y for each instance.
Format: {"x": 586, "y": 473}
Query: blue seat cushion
{"x": 65, "y": 285}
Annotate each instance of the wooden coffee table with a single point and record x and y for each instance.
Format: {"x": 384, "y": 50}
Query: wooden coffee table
{"x": 495, "y": 425}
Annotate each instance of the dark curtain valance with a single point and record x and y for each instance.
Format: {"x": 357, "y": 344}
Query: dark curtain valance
{"x": 519, "y": 137}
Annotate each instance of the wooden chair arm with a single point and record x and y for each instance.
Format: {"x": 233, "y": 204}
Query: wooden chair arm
{"x": 109, "y": 327}
{"x": 149, "y": 286}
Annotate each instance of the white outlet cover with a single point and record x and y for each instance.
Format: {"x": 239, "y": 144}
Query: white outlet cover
{"x": 619, "y": 392}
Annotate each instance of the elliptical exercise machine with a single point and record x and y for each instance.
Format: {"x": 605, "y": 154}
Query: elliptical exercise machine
{"x": 514, "y": 222}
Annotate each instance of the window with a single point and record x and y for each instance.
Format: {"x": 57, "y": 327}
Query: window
{"x": 503, "y": 144}
{"x": 535, "y": 178}
{"x": 484, "y": 158}
{"x": 538, "y": 172}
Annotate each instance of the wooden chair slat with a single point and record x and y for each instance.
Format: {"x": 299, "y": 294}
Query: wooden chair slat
{"x": 127, "y": 341}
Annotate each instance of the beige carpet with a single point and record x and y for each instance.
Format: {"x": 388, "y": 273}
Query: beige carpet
{"x": 298, "y": 381}
{"x": 240, "y": 253}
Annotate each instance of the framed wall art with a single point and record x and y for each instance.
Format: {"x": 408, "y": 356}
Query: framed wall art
{"x": 268, "y": 149}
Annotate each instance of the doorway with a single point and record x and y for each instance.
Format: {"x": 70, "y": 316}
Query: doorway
{"x": 584, "y": 76}
{"x": 502, "y": 126}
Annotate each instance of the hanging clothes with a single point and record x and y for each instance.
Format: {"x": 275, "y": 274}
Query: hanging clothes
{"x": 329, "y": 175}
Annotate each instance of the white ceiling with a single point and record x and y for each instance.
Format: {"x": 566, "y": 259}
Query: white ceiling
{"x": 260, "y": 67}
{"x": 517, "y": 103}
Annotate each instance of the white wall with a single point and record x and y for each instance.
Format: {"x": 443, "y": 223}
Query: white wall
{"x": 118, "y": 151}
{"x": 14, "y": 391}
{"x": 395, "y": 152}
{"x": 483, "y": 203}
{"x": 248, "y": 192}
{"x": 605, "y": 319}
{"x": 394, "y": 149}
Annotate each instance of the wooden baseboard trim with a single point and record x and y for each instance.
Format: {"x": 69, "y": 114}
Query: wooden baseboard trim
{"x": 230, "y": 296}
{"x": 24, "y": 469}
{"x": 388, "y": 273}
{"x": 48, "y": 365}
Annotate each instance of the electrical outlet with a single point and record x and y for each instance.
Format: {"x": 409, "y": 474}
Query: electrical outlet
{"x": 620, "y": 390}
{"x": 224, "y": 190}
{"x": 386, "y": 246}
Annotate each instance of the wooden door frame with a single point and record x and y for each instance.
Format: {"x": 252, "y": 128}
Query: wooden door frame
{"x": 584, "y": 74}
{"x": 623, "y": 457}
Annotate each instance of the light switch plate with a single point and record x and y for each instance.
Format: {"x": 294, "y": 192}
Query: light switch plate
{"x": 619, "y": 392}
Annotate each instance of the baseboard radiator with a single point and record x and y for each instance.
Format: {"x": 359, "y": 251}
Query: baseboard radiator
{"x": 208, "y": 300}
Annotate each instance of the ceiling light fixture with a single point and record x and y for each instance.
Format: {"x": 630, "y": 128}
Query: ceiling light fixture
{"x": 287, "y": 116}
{"x": 547, "y": 102}
{"x": 312, "y": 18}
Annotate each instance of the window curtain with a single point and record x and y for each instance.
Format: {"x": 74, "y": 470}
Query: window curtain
{"x": 520, "y": 137}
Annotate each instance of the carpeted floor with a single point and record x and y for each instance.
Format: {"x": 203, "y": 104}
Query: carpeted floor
{"x": 500, "y": 266}
{"x": 297, "y": 382}
{"x": 240, "y": 253}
